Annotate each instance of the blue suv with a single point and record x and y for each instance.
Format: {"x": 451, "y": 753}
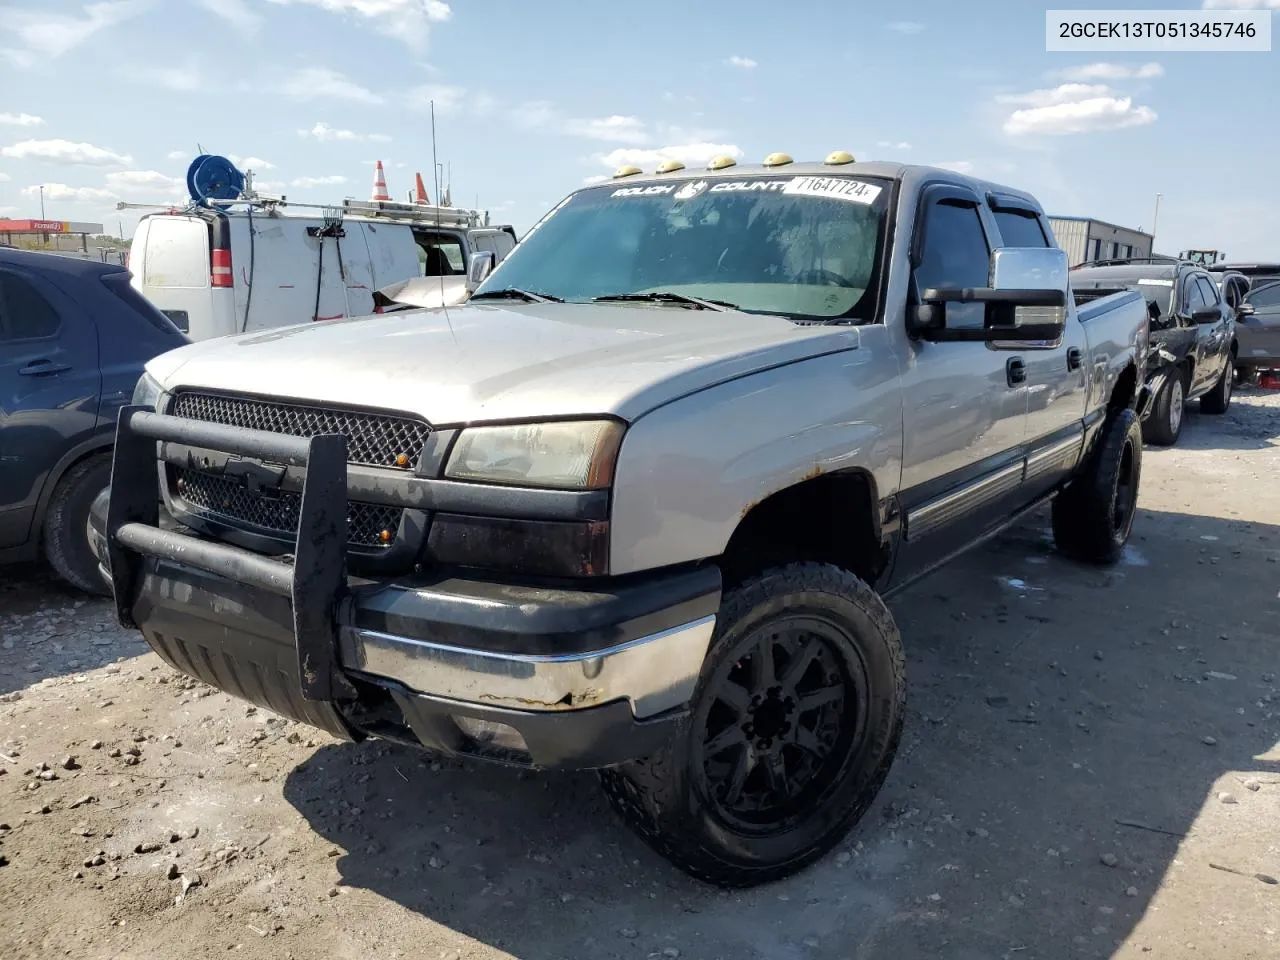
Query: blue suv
{"x": 74, "y": 336}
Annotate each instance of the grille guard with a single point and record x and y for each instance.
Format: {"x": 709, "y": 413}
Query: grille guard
{"x": 315, "y": 579}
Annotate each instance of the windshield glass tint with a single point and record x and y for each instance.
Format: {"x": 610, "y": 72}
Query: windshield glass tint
{"x": 804, "y": 247}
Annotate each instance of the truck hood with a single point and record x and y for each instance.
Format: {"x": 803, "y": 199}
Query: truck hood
{"x": 510, "y": 361}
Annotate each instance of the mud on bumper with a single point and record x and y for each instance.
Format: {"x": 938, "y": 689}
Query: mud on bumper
{"x": 522, "y": 674}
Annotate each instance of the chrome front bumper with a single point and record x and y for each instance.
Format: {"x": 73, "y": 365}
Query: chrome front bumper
{"x": 653, "y": 673}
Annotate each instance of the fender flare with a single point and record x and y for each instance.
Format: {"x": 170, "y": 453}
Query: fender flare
{"x": 100, "y": 442}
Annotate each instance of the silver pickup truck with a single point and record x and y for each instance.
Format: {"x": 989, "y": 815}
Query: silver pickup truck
{"x": 635, "y": 505}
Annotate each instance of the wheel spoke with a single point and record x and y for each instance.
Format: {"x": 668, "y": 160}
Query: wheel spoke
{"x": 741, "y": 769}
{"x": 734, "y": 696}
{"x": 799, "y": 664}
{"x": 820, "y": 697}
{"x": 762, "y": 667}
{"x": 722, "y": 741}
{"x": 807, "y": 740}
{"x": 775, "y": 773}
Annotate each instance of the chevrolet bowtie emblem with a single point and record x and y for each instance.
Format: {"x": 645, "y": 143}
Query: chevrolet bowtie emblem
{"x": 255, "y": 476}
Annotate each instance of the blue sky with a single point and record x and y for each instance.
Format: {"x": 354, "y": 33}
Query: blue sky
{"x": 108, "y": 100}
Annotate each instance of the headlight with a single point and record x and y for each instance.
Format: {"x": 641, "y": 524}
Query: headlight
{"x": 576, "y": 455}
{"x": 147, "y": 392}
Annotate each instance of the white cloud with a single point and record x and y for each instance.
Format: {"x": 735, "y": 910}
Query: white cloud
{"x": 1074, "y": 108}
{"x": 746, "y": 63}
{"x": 687, "y": 153}
{"x": 1112, "y": 71}
{"x": 484, "y": 104}
{"x": 8, "y": 211}
{"x": 273, "y": 186}
{"x": 60, "y": 191}
{"x": 1065, "y": 93}
{"x": 592, "y": 181}
{"x": 323, "y": 83}
{"x": 323, "y": 132}
{"x": 4, "y": 177}
{"x": 178, "y": 155}
{"x": 908, "y": 27}
{"x": 890, "y": 145}
{"x": 20, "y": 120}
{"x": 958, "y": 166}
{"x": 614, "y": 129}
{"x": 250, "y": 163}
{"x": 236, "y": 13}
{"x": 1241, "y": 4}
{"x": 44, "y": 35}
{"x": 145, "y": 182}
{"x": 406, "y": 20}
{"x": 447, "y": 99}
{"x": 64, "y": 151}
{"x": 182, "y": 79}
{"x": 306, "y": 183}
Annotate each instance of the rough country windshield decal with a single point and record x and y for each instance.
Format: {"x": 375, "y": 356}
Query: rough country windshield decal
{"x": 830, "y": 188}
{"x": 805, "y": 246}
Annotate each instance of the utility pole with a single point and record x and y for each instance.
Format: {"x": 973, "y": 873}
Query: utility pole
{"x": 42, "y": 201}
{"x": 1154, "y": 222}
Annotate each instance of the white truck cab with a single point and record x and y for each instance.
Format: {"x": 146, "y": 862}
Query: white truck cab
{"x": 252, "y": 266}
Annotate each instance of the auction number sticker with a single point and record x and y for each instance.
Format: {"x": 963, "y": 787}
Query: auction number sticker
{"x": 833, "y": 188}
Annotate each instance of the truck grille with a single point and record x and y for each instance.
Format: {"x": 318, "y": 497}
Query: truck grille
{"x": 227, "y": 501}
{"x": 373, "y": 439}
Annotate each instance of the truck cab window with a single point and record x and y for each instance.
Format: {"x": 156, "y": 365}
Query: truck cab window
{"x": 440, "y": 254}
{"x": 1193, "y": 298}
{"x": 1020, "y": 229}
{"x": 24, "y": 313}
{"x": 1208, "y": 291}
{"x": 956, "y": 254}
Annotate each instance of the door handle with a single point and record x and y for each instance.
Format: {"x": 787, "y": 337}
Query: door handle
{"x": 38, "y": 368}
{"x": 1075, "y": 357}
{"x": 1015, "y": 371}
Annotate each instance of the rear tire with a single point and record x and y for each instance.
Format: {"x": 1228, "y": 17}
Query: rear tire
{"x": 1093, "y": 516}
{"x": 1164, "y": 426}
{"x": 795, "y": 722}
{"x": 1217, "y": 400}
{"x": 66, "y": 540}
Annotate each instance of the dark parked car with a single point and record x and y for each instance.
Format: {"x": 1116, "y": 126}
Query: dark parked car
{"x": 74, "y": 336}
{"x": 1193, "y": 343}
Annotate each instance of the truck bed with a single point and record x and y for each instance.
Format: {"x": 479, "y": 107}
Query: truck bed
{"x": 1092, "y": 303}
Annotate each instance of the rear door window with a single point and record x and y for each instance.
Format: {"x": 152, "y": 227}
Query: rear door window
{"x": 118, "y": 283}
{"x": 1018, "y": 229}
{"x": 24, "y": 313}
{"x": 177, "y": 253}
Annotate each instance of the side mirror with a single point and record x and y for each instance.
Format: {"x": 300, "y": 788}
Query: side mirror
{"x": 1026, "y": 300}
{"x": 482, "y": 263}
{"x": 1245, "y": 310}
{"x": 1209, "y": 315}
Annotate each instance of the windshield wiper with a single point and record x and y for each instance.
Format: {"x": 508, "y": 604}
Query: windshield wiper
{"x": 666, "y": 296}
{"x": 515, "y": 293}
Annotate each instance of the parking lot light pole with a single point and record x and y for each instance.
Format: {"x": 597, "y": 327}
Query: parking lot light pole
{"x": 1154, "y": 222}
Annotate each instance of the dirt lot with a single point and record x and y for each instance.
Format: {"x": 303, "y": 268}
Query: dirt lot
{"x": 1090, "y": 769}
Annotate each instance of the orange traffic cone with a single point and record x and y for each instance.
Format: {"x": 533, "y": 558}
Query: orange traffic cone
{"x": 420, "y": 192}
{"x": 380, "y": 184}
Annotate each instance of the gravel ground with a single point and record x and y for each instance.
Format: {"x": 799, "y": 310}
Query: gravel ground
{"x": 1090, "y": 769}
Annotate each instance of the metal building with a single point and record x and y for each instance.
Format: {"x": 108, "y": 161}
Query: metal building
{"x": 1085, "y": 239}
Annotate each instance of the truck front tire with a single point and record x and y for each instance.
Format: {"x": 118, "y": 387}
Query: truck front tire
{"x": 795, "y": 722}
{"x": 1093, "y": 516}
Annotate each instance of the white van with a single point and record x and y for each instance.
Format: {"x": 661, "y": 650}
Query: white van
{"x": 216, "y": 272}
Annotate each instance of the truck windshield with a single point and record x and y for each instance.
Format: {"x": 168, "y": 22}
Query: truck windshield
{"x": 801, "y": 246}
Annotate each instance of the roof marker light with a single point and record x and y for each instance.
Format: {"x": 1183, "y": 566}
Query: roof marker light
{"x": 627, "y": 171}
{"x": 670, "y": 166}
{"x": 838, "y": 158}
{"x": 777, "y": 160}
{"x": 720, "y": 162}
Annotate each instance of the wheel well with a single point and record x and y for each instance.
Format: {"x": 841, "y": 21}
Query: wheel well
{"x": 828, "y": 519}
{"x": 51, "y": 486}
{"x": 1125, "y": 393}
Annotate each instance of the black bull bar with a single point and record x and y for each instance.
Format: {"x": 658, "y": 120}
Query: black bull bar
{"x": 313, "y": 579}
